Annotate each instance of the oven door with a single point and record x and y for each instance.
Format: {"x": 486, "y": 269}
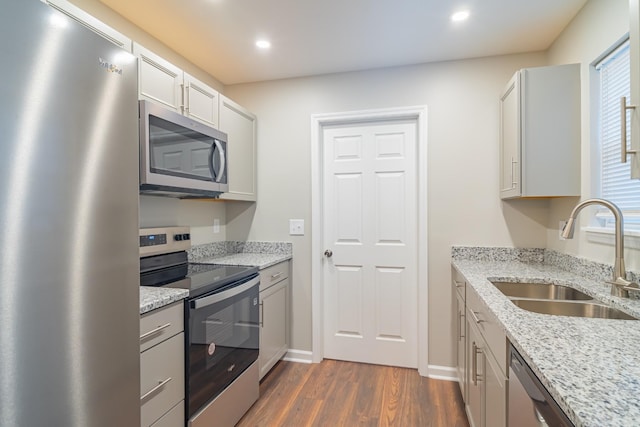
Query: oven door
{"x": 224, "y": 339}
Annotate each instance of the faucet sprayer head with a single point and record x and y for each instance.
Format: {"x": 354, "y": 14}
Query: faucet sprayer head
{"x": 567, "y": 230}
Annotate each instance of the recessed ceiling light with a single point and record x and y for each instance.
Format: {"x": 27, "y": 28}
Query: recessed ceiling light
{"x": 460, "y": 16}
{"x": 263, "y": 44}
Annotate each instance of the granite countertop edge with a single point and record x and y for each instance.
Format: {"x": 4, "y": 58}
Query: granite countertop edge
{"x": 260, "y": 260}
{"x": 589, "y": 366}
{"x": 152, "y": 298}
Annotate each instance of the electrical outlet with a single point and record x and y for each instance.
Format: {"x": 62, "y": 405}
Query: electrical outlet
{"x": 560, "y": 228}
{"x": 296, "y": 227}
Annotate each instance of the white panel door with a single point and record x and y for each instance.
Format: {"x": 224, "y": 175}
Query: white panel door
{"x": 370, "y": 227}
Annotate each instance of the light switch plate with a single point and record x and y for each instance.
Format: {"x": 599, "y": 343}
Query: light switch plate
{"x": 296, "y": 227}
{"x": 216, "y": 225}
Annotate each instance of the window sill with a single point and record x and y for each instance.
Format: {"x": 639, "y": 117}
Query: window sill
{"x": 606, "y": 236}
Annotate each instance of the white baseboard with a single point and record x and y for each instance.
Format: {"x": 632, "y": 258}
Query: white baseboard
{"x": 299, "y": 356}
{"x": 447, "y": 373}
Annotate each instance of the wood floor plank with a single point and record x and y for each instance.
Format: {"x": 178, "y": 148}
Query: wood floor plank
{"x": 336, "y": 393}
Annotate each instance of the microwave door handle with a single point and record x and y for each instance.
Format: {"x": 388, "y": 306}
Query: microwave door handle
{"x": 212, "y": 153}
{"x": 221, "y": 296}
{"x": 220, "y": 150}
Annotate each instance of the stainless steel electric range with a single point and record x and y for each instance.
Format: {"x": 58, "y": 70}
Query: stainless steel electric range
{"x": 222, "y": 326}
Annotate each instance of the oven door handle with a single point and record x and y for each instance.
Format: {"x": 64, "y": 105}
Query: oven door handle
{"x": 215, "y": 298}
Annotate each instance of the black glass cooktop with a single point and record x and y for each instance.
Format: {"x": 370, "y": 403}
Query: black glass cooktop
{"x": 174, "y": 272}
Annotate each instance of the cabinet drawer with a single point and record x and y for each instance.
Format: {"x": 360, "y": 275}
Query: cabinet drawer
{"x": 274, "y": 274}
{"x": 158, "y": 325}
{"x": 161, "y": 378}
{"x": 173, "y": 418}
{"x": 489, "y": 328}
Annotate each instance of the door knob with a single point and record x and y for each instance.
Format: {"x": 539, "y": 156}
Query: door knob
{"x": 328, "y": 253}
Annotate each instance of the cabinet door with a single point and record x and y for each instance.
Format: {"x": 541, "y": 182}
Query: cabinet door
{"x": 158, "y": 80}
{"x": 510, "y": 139}
{"x": 634, "y": 40}
{"x": 200, "y": 101}
{"x": 92, "y": 23}
{"x": 475, "y": 375}
{"x": 495, "y": 395}
{"x": 460, "y": 325}
{"x": 240, "y": 126}
{"x": 273, "y": 330}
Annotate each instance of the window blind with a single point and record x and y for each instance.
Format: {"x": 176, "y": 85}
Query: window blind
{"x": 615, "y": 181}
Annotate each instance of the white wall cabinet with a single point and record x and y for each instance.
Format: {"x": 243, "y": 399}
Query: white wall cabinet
{"x": 483, "y": 373}
{"x": 162, "y": 82}
{"x": 540, "y": 133}
{"x": 162, "y": 367}
{"x": 91, "y": 23}
{"x": 274, "y": 315}
{"x": 240, "y": 126}
{"x": 634, "y": 40}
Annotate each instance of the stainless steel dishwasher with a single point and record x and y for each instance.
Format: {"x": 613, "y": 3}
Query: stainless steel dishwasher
{"x": 530, "y": 404}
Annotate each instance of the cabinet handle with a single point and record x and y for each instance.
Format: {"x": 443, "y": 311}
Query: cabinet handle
{"x": 187, "y": 97}
{"x": 261, "y": 313}
{"x": 623, "y": 128}
{"x": 277, "y": 275}
{"x": 460, "y": 323}
{"x": 156, "y": 388}
{"x": 458, "y": 284}
{"x": 154, "y": 331}
{"x": 474, "y": 363}
{"x": 514, "y": 183}
{"x": 474, "y": 315}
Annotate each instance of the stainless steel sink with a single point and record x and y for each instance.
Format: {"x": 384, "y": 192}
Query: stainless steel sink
{"x": 546, "y": 291}
{"x": 574, "y": 309}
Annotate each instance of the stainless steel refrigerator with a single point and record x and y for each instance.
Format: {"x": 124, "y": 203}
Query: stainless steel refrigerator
{"x": 69, "y": 294}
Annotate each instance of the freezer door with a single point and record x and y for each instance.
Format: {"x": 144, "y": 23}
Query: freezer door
{"x": 69, "y": 294}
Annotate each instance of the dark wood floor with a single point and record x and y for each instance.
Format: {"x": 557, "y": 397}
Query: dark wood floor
{"x": 335, "y": 393}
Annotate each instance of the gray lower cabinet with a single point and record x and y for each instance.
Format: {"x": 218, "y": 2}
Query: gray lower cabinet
{"x": 274, "y": 315}
{"x": 162, "y": 367}
{"x": 482, "y": 364}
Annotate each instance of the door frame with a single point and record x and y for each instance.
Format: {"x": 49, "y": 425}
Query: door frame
{"x": 418, "y": 114}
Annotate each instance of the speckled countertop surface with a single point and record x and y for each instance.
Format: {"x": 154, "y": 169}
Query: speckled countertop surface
{"x": 253, "y": 254}
{"x": 590, "y": 366}
{"x": 152, "y": 298}
{"x": 261, "y": 261}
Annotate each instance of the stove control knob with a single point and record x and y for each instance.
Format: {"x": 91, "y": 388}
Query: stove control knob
{"x": 178, "y": 237}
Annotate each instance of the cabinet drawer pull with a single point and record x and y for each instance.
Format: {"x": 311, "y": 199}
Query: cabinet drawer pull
{"x": 474, "y": 315}
{"x": 623, "y": 128}
{"x": 276, "y": 275}
{"x": 154, "y": 331}
{"x": 156, "y": 388}
{"x": 474, "y": 363}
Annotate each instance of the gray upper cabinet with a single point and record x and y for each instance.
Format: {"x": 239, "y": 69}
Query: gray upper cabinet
{"x": 540, "y": 133}
{"x": 91, "y": 23}
{"x": 162, "y": 82}
{"x": 240, "y": 126}
{"x": 634, "y": 37}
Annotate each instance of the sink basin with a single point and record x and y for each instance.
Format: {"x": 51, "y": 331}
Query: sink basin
{"x": 546, "y": 291}
{"x": 574, "y": 309}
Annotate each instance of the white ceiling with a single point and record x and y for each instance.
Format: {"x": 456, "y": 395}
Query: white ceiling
{"x": 326, "y": 36}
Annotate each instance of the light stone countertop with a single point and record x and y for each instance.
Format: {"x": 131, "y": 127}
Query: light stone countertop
{"x": 259, "y": 260}
{"x": 591, "y": 367}
{"x": 152, "y": 298}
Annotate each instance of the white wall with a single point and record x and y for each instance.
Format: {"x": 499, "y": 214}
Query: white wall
{"x": 598, "y": 27}
{"x": 464, "y": 207}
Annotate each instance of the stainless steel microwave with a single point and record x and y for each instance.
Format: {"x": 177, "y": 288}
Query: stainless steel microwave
{"x": 180, "y": 157}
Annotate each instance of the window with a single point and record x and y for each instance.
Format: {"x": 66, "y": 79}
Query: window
{"x": 615, "y": 182}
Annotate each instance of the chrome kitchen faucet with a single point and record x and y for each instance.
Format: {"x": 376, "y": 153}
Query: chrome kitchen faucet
{"x": 620, "y": 286}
